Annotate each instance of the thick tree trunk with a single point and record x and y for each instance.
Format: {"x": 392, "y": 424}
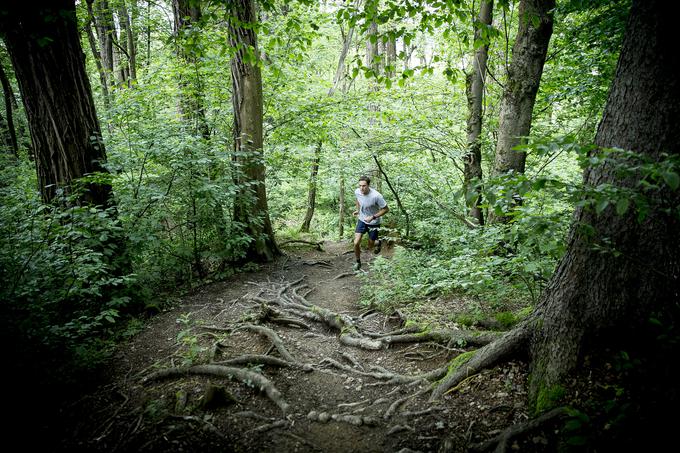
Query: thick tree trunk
{"x": 475, "y": 95}
{"x": 250, "y": 207}
{"x": 524, "y": 76}
{"x": 49, "y": 66}
{"x": 609, "y": 284}
{"x": 311, "y": 191}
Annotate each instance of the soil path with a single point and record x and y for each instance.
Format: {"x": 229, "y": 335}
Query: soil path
{"x": 317, "y": 394}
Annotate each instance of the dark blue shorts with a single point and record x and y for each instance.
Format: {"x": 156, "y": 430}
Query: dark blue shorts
{"x": 372, "y": 230}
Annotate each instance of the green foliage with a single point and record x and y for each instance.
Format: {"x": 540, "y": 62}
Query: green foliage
{"x": 66, "y": 292}
{"x": 173, "y": 170}
{"x": 466, "y": 262}
{"x": 192, "y": 350}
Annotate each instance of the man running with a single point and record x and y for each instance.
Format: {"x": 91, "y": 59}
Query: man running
{"x": 370, "y": 207}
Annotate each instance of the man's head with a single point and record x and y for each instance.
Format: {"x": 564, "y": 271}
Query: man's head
{"x": 364, "y": 184}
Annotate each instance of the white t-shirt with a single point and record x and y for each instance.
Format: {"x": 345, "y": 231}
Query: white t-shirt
{"x": 369, "y": 205}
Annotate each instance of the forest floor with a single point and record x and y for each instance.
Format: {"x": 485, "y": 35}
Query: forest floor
{"x": 317, "y": 394}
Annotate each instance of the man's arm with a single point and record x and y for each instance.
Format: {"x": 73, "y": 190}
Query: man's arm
{"x": 381, "y": 213}
{"x": 357, "y": 210}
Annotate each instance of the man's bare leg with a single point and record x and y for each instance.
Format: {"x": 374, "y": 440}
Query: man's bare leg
{"x": 371, "y": 244}
{"x": 357, "y": 247}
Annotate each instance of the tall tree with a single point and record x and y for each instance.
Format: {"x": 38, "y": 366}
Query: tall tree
{"x": 311, "y": 189}
{"x": 43, "y": 42}
{"x": 9, "y": 133}
{"x": 472, "y": 169}
{"x": 187, "y": 14}
{"x": 250, "y": 207}
{"x": 103, "y": 16}
{"x": 524, "y": 77}
{"x": 96, "y": 53}
{"x": 126, "y": 43}
{"x": 621, "y": 270}
{"x": 340, "y": 71}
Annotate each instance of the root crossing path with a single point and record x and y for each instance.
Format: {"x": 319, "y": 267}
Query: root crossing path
{"x": 286, "y": 360}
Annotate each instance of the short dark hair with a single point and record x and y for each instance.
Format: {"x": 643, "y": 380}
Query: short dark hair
{"x": 365, "y": 178}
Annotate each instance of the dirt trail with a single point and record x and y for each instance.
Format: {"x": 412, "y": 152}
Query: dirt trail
{"x": 318, "y": 394}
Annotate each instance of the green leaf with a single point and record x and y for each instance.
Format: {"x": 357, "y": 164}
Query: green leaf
{"x": 601, "y": 206}
{"x": 572, "y": 425}
{"x": 672, "y": 179}
{"x": 539, "y": 183}
{"x": 622, "y": 206}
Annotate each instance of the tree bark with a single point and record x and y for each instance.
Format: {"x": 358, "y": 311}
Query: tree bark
{"x": 524, "y": 77}
{"x": 191, "y": 106}
{"x": 129, "y": 42}
{"x": 50, "y": 69}
{"x": 341, "y": 208}
{"x": 340, "y": 71}
{"x": 104, "y": 24}
{"x": 96, "y": 54}
{"x": 472, "y": 161}
{"x": 311, "y": 191}
{"x": 608, "y": 286}
{"x": 372, "y": 51}
{"x": 250, "y": 207}
{"x": 10, "y": 134}
{"x": 390, "y": 57}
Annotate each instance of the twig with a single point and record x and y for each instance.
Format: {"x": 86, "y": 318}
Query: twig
{"x": 501, "y": 440}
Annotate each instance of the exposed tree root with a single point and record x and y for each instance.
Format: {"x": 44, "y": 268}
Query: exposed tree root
{"x": 258, "y": 359}
{"x": 410, "y": 329}
{"x": 398, "y": 403}
{"x": 269, "y": 426}
{"x": 507, "y": 346}
{"x": 356, "y": 420}
{"x": 349, "y": 333}
{"x": 300, "y": 241}
{"x": 275, "y": 339}
{"x": 501, "y": 440}
{"x": 286, "y": 303}
{"x": 245, "y": 376}
{"x": 351, "y": 359}
{"x": 270, "y": 314}
{"x": 360, "y": 342}
{"x": 444, "y": 336}
{"x": 323, "y": 263}
{"x": 399, "y": 428}
{"x": 389, "y": 377}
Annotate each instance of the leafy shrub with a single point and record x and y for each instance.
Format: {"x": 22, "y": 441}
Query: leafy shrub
{"x": 65, "y": 285}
